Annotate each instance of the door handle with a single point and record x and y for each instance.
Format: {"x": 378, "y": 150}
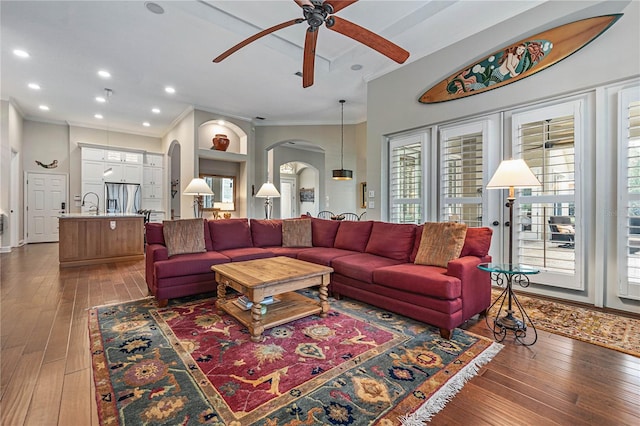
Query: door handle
{"x": 495, "y": 223}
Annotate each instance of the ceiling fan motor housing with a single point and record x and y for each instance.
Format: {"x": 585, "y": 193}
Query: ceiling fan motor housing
{"x": 315, "y": 17}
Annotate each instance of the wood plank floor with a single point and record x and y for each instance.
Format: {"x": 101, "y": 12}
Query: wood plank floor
{"x": 45, "y": 376}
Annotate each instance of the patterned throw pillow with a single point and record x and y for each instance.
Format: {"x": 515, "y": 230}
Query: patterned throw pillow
{"x": 296, "y": 233}
{"x": 184, "y": 236}
{"x": 440, "y": 243}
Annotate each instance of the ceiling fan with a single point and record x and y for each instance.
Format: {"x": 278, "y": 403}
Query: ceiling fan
{"x": 317, "y": 12}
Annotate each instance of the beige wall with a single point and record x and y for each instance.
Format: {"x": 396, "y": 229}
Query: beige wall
{"x": 392, "y": 101}
{"x": 11, "y": 130}
{"x": 338, "y": 195}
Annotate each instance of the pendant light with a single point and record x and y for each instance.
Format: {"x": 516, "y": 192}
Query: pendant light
{"x": 107, "y": 95}
{"x": 342, "y": 174}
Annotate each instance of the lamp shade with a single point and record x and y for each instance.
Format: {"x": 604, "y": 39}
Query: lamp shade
{"x": 513, "y": 174}
{"x": 267, "y": 190}
{"x": 342, "y": 174}
{"x": 197, "y": 186}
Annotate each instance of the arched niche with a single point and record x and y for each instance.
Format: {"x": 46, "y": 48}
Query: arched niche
{"x": 237, "y": 137}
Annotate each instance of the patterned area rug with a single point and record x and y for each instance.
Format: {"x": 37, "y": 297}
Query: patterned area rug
{"x": 186, "y": 364}
{"x": 589, "y": 325}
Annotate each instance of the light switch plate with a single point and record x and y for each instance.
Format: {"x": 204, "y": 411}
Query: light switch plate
{"x": 372, "y": 194}
{"x": 371, "y": 205}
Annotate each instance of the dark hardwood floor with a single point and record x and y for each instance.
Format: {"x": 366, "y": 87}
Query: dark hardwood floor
{"x": 45, "y": 376}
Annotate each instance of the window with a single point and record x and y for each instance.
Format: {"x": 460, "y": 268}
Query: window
{"x": 629, "y": 193}
{"x": 406, "y": 159}
{"x": 546, "y": 218}
{"x": 462, "y": 185}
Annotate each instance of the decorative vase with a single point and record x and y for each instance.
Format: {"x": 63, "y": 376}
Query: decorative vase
{"x": 227, "y": 215}
{"x": 221, "y": 142}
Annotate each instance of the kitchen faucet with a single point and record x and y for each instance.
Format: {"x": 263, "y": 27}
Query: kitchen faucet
{"x": 97, "y": 201}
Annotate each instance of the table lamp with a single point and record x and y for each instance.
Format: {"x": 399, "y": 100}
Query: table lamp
{"x": 197, "y": 187}
{"x": 268, "y": 191}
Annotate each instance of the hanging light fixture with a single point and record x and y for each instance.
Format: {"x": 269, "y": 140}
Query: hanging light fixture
{"x": 107, "y": 95}
{"x": 342, "y": 174}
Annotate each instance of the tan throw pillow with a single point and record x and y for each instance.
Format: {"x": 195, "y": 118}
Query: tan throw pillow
{"x": 296, "y": 233}
{"x": 440, "y": 243}
{"x": 184, "y": 236}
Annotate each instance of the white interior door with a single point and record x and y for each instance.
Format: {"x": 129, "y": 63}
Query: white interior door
{"x": 287, "y": 198}
{"x": 46, "y": 193}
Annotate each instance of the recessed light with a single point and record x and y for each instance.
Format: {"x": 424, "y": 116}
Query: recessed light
{"x": 146, "y": 124}
{"x": 100, "y": 99}
{"x": 356, "y": 67}
{"x": 221, "y": 122}
{"x": 154, "y": 7}
{"x": 170, "y": 89}
{"x": 98, "y": 116}
{"x": 104, "y": 74}
{"x": 21, "y": 53}
{"x": 44, "y": 107}
{"x": 155, "y": 110}
{"x": 34, "y": 86}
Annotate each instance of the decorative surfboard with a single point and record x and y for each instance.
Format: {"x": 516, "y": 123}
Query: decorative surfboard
{"x": 519, "y": 60}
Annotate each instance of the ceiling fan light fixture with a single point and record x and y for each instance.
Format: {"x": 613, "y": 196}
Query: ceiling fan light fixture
{"x": 342, "y": 173}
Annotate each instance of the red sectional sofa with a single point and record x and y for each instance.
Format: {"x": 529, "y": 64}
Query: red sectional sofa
{"x": 373, "y": 262}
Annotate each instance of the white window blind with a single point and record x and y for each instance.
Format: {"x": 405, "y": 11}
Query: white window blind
{"x": 546, "y": 217}
{"x": 629, "y": 190}
{"x": 461, "y": 164}
{"x": 406, "y": 181}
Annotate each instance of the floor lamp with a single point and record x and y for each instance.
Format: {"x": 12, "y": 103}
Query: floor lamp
{"x": 268, "y": 191}
{"x": 512, "y": 174}
{"x": 197, "y": 187}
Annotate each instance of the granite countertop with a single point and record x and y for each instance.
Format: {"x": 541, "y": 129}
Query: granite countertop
{"x": 97, "y": 216}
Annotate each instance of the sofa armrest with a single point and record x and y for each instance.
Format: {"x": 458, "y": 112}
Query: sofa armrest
{"x": 153, "y": 253}
{"x": 475, "y": 283}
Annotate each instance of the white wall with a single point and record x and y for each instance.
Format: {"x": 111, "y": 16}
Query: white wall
{"x": 10, "y": 140}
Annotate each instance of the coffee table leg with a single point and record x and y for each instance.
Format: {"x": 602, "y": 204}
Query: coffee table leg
{"x": 222, "y": 294}
{"x": 324, "y": 303}
{"x": 256, "y": 328}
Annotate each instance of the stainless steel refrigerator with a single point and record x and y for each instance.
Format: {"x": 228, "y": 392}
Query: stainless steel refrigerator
{"x": 122, "y": 197}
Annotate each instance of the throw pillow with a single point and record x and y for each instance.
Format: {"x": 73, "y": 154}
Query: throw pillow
{"x": 440, "y": 243}
{"x": 184, "y": 236}
{"x": 296, "y": 233}
{"x": 477, "y": 242}
{"x": 566, "y": 229}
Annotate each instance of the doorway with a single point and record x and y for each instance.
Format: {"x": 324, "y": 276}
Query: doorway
{"x": 288, "y": 205}
{"x": 46, "y": 200}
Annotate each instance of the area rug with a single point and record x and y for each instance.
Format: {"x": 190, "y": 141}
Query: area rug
{"x": 186, "y": 364}
{"x": 588, "y": 325}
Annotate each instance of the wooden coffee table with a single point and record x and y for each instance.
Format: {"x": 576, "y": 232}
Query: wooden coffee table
{"x": 275, "y": 276}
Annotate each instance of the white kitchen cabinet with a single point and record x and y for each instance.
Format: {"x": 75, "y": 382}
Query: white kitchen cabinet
{"x": 114, "y": 156}
{"x": 96, "y": 154}
{"x": 124, "y": 173}
{"x": 92, "y": 171}
{"x": 154, "y": 160}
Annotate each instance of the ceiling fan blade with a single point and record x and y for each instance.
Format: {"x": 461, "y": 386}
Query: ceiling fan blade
{"x": 257, "y": 36}
{"x": 368, "y": 38}
{"x": 338, "y": 5}
{"x": 304, "y": 3}
{"x": 308, "y": 61}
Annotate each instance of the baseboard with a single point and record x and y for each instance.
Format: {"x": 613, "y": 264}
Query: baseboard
{"x": 5, "y": 249}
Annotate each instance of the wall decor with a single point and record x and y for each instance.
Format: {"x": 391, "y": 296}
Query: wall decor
{"x": 51, "y": 165}
{"x": 519, "y": 60}
{"x": 307, "y": 195}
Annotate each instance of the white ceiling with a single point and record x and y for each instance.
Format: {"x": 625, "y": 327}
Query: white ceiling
{"x": 69, "y": 41}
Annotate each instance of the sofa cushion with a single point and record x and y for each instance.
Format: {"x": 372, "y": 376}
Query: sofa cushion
{"x": 246, "y": 253}
{"x": 285, "y": 251}
{"x": 353, "y": 235}
{"x": 440, "y": 243}
{"x": 392, "y": 240}
{"x": 416, "y": 243}
{"x": 184, "y": 236}
{"x": 154, "y": 233}
{"x": 296, "y": 232}
{"x": 323, "y": 232}
{"x": 230, "y": 233}
{"x": 360, "y": 266}
{"x": 322, "y": 255}
{"x": 266, "y": 232}
{"x": 477, "y": 242}
{"x": 189, "y": 264}
{"x": 419, "y": 279}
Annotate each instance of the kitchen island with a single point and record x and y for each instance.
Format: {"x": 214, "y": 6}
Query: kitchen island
{"x": 87, "y": 239}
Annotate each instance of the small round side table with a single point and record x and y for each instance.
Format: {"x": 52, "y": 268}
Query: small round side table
{"x": 517, "y": 321}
